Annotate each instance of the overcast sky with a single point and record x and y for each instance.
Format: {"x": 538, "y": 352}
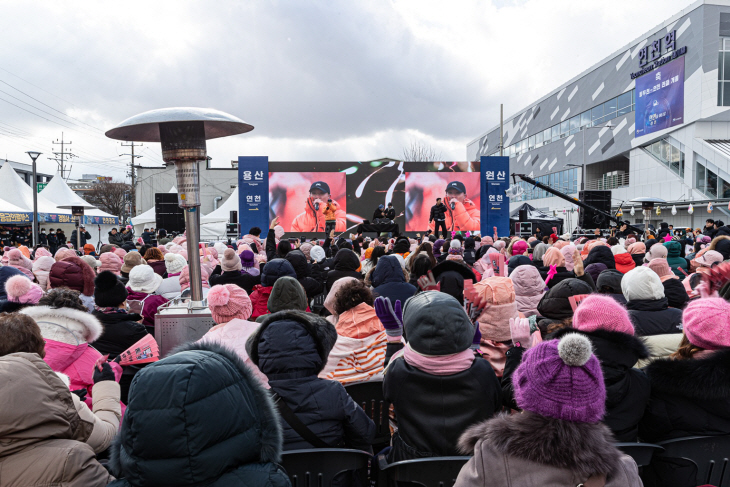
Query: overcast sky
{"x": 319, "y": 80}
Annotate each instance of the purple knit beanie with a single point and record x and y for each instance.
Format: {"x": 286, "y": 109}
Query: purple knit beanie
{"x": 562, "y": 379}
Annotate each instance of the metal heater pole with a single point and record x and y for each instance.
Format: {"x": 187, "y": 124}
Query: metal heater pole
{"x": 34, "y": 185}
{"x": 188, "y": 183}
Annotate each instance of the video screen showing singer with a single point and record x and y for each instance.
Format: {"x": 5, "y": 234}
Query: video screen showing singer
{"x": 320, "y": 212}
{"x": 461, "y": 212}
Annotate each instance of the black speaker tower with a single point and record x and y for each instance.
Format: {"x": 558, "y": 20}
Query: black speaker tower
{"x": 168, "y": 214}
{"x": 601, "y": 200}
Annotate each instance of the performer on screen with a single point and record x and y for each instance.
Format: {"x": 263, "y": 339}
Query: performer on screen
{"x": 379, "y": 213}
{"x": 314, "y": 218}
{"x": 437, "y": 218}
{"x": 461, "y": 212}
{"x": 390, "y": 212}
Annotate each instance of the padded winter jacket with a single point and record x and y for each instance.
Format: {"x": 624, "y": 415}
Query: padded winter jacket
{"x": 291, "y": 348}
{"x": 529, "y": 288}
{"x": 600, "y": 254}
{"x": 654, "y": 317}
{"x": 198, "y": 417}
{"x": 389, "y": 281}
{"x": 627, "y": 388}
{"x": 675, "y": 260}
{"x": 313, "y": 220}
{"x": 312, "y": 287}
{"x": 346, "y": 263}
{"x": 244, "y": 281}
{"x": 464, "y": 216}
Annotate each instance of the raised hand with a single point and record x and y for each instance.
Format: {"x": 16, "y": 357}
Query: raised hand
{"x": 391, "y": 318}
{"x": 428, "y": 283}
{"x": 578, "y": 264}
{"x": 520, "y": 330}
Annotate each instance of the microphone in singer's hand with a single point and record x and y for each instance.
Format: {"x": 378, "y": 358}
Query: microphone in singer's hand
{"x": 316, "y": 206}
{"x": 453, "y": 205}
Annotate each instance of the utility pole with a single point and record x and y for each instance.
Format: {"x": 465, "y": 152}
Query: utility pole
{"x": 132, "y": 174}
{"x": 60, "y": 156}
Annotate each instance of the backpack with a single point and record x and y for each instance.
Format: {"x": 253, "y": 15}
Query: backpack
{"x": 136, "y": 306}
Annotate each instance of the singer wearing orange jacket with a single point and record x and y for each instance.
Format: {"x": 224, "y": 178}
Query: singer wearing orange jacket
{"x": 462, "y": 213}
{"x": 319, "y": 208}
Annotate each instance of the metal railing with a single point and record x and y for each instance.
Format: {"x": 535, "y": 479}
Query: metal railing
{"x": 608, "y": 181}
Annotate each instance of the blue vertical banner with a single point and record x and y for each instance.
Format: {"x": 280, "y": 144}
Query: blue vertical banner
{"x": 253, "y": 193}
{"x": 495, "y": 203}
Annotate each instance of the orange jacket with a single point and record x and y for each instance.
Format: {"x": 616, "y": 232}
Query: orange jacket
{"x": 330, "y": 212}
{"x": 312, "y": 220}
{"x": 464, "y": 216}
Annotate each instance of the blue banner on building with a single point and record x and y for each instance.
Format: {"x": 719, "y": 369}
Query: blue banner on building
{"x": 253, "y": 193}
{"x": 495, "y": 204}
{"x": 660, "y": 98}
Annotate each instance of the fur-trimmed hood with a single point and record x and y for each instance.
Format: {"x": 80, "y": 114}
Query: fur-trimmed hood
{"x": 197, "y": 402}
{"x": 291, "y": 344}
{"x": 698, "y": 379}
{"x": 66, "y": 325}
{"x": 584, "y": 448}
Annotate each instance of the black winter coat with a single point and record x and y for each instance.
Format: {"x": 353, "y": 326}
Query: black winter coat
{"x": 389, "y": 281}
{"x": 121, "y": 331}
{"x": 450, "y": 275}
{"x": 609, "y": 282}
{"x": 346, "y": 264}
{"x": 627, "y": 389}
{"x": 291, "y": 348}
{"x": 601, "y": 254}
{"x": 434, "y": 410}
{"x": 244, "y": 281}
{"x": 562, "y": 275}
{"x": 311, "y": 286}
{"x": 84, "y": 237}
{"x": 688, "y": 398}
{"x": 116, "y": 239}
{"x": 438, "y": 212}
{"x": 675, "y": 293}
{"x": 199, "y": 417}
{"x": 654, "y": 317}
{"x": 517, "y": 260}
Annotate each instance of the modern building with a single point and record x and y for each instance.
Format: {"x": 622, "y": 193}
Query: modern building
{"x": 650, "y": 120}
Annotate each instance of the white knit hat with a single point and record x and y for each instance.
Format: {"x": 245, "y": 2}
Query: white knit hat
{"x": 642, "y": 283}
{"x": 317, "y": 253}
{"x": 455, "y": 244}
{"x": 220, "y": 247}
{"x": 174, "y": 263}
{"x": 618, "y": 249}
{"x": 143, "y": 279}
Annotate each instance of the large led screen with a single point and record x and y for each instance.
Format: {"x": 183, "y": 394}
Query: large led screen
{"x": 299, "y": 199}
{"x": 660, "y": 98}
{"x": 459, "y": 191}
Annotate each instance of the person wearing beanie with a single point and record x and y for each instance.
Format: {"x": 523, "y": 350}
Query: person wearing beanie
{"x": 435, "y": 371}
{"x": 689, "y": 393}
{"x": 131, "y": 260}
{"x": 19, "y": 261}
{"x": 609, "y": 284}
{"x": 249, "y": 263}
{"x": 286, "y": 294}
{"x": 21, "y": 292}
{"x": 89, "y": 249}
{"x": 624, "y": 260}
{"x": 529, "y": 289}
{"x": 185, "y": 280}
{"x": 272, "y": 271}
{"x": 451, "y": 275}
{"x": 554, "y": 307}
{"x": 41, "y": 270}
{"x": 122, "y": 329}
{"x": 656, "y": 251}
{"x": 607, "y": 325}
{"x": 170, "y": 287}
{"x": 359, "y": 353}
{"x": 231, "y": 308}
{"x": 109, "y": 261}
{"x": 674, "y": 290}
{"x": 600, "y": 254}
{"x": 91, "y": 261}
{"x": 638, "y": 252}
{"x": 291, "y": 348}
{"x": 675, "y": 258}
{"x": 648, "y": 306}
{"x": 231, "y": 267}
{"x": 74, "y": 273}
{"x": 220, "y": 247}
{"x": 494, "y": 322}
{"x": 559, "y": 439}
{"x": 41, "y": 252}
{"x": 514, "y": 263}
{"x": 141, "y": 287}
{"x": 312, "y": 286}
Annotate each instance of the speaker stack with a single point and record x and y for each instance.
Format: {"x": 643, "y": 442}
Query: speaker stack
{"x": 168, "y": 214}
{"x": 601, "y": 200}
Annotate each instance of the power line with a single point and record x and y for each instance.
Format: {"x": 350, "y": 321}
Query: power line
{"x": 61, "y": 155}
{"x": 131, "y": 170}
{"x": 23, "y": 79}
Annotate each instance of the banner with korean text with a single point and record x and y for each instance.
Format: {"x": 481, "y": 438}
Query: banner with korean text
{"x": 495, "y": 204}
{"x": 253, "y": 193}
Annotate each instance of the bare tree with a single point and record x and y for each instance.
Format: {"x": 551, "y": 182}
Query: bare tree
{"x": 111, "y": 197}
{"x": 418, "y": 151}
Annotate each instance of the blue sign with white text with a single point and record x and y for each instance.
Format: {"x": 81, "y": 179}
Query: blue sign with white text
{"x": 495, "y": 203}
{"x": 253, "y": 193}
{"x": 660, "y": 98}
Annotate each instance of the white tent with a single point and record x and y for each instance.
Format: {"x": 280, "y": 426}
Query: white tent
{"x": 14, "y": 190}
{"x": 213, "y": 225}
{"x": 58, "y": 193}
{"x": 143, "y": 220}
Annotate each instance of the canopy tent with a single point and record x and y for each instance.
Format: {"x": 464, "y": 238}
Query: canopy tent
{"x": 16, "y": 201}
{"x": 143, "y": 220}
{"x": 538, "y": 218}
{"x": 213, "y": 225}
{"x": 96, "y": 220}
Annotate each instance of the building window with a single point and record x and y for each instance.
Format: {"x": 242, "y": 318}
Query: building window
{"x": 710, "y": 180}
{"x": 723, "y": 73}
{"x": 565, "y": 181}
{"x": 669, "y": 152}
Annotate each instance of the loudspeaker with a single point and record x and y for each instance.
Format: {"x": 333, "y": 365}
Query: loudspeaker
{"x": 168, "y": 214}
{"x": 600, "y": 200}
{"x": 523, "y": 216}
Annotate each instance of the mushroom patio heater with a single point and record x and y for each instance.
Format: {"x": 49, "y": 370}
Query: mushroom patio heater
{"x": 647, "y": 204}
{"x": 182, "y": 132}
{"x": 77, "y": 212}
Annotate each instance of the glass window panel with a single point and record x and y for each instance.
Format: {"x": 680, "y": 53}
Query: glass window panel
{"x": 609, "y": 106}
{"x": 531, "y": 142}
{"x": 700, "y": 177}
{"x": 720, "y": 57}
{"x": 726, "y": 94}
{"x": 726, "y": 70}
{"x": 574, "y": 124}
{"x": 633, "y": 96}
{"x": 623, "y": 111}
{"x": 585, "y": 118}
{"x": 624, "y": 100}
{"x": 546, "y": 135}
{"x": 538, "y": 139}
{"x": 727, "y": 44}
{"x": 556, "y": 132}
{"x": 596, "y": 113}
{"x": 724, "y": 189}
{"x": 712, "y": 181}
{"x": 564, "y": 127}
{"x": 719, "y": 93}
{"x": 524, "y": 145}
{"x": 610, "y": 116}
{"x": 681, "y": 164}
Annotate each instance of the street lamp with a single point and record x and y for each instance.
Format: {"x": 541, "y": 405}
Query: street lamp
{"x": 34, "y": 155}
{"x": 182, "y": 133}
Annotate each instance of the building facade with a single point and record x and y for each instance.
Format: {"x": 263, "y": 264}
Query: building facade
{"x": 650, "y": 120}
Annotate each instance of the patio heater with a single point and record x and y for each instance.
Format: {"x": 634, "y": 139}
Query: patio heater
{"x": 647, "y": 205}
{"x": 77, "y": 212}
{"x": 182, "y": 133}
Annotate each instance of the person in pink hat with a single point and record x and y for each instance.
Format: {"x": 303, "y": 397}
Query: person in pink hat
{"x": 231, "y": 309}
{"x": 41, "y": 252}
{"x": 607, "y": 325}
{"x": 41, "y": 270}
{"x": 19, "y": 261}
{"x": 689, "y": 390}
{"x": 185, "y": 279}
{"x": 21, "y": 292}
{"x": 110, "y": 262}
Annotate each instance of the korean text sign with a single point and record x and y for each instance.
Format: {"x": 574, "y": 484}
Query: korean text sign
{"x": 495, "y": 204}
{"x": 660, "y": 98}
{"x": 253, "y": 192}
